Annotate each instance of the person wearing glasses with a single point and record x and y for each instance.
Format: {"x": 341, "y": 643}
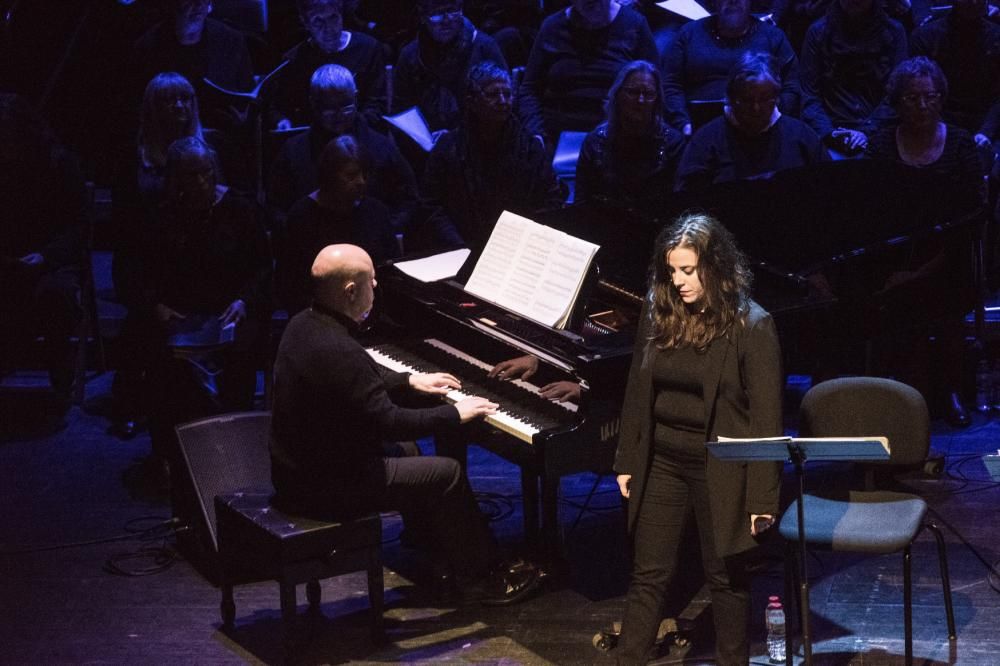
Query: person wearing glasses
{"x": 198, "y": 47}
{"x": 574, "y": 61}
{"x": 696, "y": 66}
{"x": 338, "y": 212}
{"x": 966, "y": 44}
{"x": 334, "y": 111}
{"x": 846, "y": 59}
{"x": 753, "y": 139}
{"x": 328, "y": 43}
{"x": 432, "y": 69}
{"x": 931, "y": 289}
{"x": 488, "y": 165}
{"x": 629, "y": 160}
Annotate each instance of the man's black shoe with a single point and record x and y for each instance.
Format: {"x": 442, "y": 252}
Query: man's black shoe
{"x": 511, "y": 583}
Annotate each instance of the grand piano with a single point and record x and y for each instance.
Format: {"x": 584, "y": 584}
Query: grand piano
{"x": 845, "y": 219}
{"x": 448, "y": 329}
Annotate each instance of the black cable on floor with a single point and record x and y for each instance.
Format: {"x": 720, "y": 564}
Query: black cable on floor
{"x": 162, "y": 528}
{"x": 992, "y": 572}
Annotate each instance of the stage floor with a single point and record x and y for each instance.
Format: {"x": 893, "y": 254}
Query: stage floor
{"x": 78, "y": 484}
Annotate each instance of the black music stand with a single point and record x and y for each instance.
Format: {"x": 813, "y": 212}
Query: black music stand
{"x": 798, "y": 450}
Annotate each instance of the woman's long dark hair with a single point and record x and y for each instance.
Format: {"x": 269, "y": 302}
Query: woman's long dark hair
{"x": 724, "y": 275}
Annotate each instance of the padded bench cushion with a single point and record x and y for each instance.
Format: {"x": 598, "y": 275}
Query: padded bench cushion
{"x": 248, "y": 521}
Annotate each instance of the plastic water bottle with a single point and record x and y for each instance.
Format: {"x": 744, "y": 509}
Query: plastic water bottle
{"x": 775, "y": 631}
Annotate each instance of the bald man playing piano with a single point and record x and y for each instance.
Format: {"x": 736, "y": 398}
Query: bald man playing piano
{"x": 333, "y": 413}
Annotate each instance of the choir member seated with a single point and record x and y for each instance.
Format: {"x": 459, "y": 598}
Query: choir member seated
{"x": 629, "y": 160}
{"x": 697, "y": 64}
{"x": 198, "y": 47}
{"x": 929, "y": 291}
{"x": 196, "y": 276}
{"x": 338, "y": 212}
{"x": 432, "y": 69}
{"x": 489, "y": 164}
{"x": 967, "y": 47}
{"x": 333, "y": 101}
{"x": 753, "y": 139}
{"x": 329, "y": 43}
{"x": 44, "y": 203}
{"x": 846, "y": 59}
{"x": 573, "y": 62}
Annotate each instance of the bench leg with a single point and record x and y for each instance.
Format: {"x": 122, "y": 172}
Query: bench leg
{"x": 376, "y": 594}
{"x": 288, "y": 620}
{"x": 314, "y": 593}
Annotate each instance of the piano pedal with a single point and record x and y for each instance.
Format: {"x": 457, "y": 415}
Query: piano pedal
{"x": 668, "y": 633}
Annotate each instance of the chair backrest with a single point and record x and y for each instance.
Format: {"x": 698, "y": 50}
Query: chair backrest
{"x": 225, "y": 454}
{"x": 869, "y": 406}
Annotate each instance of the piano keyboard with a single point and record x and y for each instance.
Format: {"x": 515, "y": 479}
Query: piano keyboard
{"x": 522, "y": 413}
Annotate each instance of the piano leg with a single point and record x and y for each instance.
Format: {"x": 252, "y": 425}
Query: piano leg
{"x": 529, "y": 489}
{"x": 550, "y": 519}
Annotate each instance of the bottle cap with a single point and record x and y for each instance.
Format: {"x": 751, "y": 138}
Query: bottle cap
{"x": 775, "y": 597}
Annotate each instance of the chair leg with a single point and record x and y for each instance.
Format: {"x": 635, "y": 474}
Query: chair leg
{"x": 907, "y": 606}
{"x": 314, "y": 593}
{"x": 945, "y": 579}
{"x": 376, "y": 594}
{"x": 288, "y": 620}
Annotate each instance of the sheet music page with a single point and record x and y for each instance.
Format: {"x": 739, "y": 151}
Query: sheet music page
{"x": 412, "y": 123}
{"x": 534, "y": 270}
{"x": 437, "y": 267}
{"x": 689, "y": 9}
{"x": 568, "y": 153}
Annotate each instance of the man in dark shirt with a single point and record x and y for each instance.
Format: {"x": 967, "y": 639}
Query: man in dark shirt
{"x": 333, "y": 103}
{"x": 329, "y": 43}
{"x": 967, "y": 47}
{"x": 333, "y": 413}
{"x": 198, "y": 48}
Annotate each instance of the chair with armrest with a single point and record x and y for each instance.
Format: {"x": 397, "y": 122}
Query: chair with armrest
{"x": 870, "y": 521}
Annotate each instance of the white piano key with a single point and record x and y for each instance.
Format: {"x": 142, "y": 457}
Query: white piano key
{"x": 502, "y": 420}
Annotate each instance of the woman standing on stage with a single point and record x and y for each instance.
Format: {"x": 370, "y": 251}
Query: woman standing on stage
{"x": 706, "y": 363}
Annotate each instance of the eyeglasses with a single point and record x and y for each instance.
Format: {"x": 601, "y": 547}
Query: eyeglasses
{"x": 449, "y": 15}
{"x": 494, "y": 95}
{"x": 340, "y": 112}
{"x": 173, "y": 100}
{"x": 747, "y": 102}
{"x": 636, "y": 93}
{"x": 926, "y": 98}
{"x": 319, "y": 21}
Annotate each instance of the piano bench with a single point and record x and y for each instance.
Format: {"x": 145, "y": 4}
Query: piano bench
{"x": 257, "y": 539}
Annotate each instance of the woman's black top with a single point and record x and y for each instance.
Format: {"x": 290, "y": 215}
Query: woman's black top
{"x": 720, "y": 153}
{"x": 679, "y": 402}
{"x": 632, "y": 172}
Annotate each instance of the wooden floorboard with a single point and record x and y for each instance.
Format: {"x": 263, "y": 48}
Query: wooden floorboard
{"x": 76, "y": 483}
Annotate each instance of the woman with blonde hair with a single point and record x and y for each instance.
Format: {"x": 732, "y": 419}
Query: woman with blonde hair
{"x": 706, "y": 364}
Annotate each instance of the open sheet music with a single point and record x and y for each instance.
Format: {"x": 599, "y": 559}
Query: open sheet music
{"x": 533, "y": 270}
{"x": 689, "y": 9}
{"x": 815, "y": 448}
